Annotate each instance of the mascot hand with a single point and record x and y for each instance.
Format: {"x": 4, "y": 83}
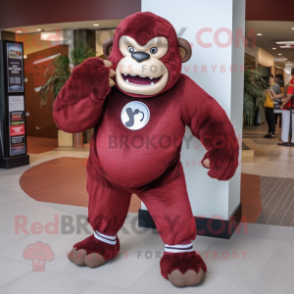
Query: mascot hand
{"x": 95, "y": 76}
{"x": 222, "y": 163}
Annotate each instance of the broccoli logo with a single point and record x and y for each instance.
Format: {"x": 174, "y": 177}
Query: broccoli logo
{"x": 39, "y": 253}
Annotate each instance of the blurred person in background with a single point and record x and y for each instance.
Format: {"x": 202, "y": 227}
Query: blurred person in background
{"x": 279, "y": 79}
{"x": 285, "y": 106}
{"x": 269, "y": 107}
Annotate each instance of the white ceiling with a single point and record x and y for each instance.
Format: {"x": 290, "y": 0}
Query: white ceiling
{"x": 272, "y": 32}
{"x": 103, "y": 24}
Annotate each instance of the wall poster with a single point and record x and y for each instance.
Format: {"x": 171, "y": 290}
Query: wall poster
{"x": 17, "y": 125}
{"x": 15, "y": 67}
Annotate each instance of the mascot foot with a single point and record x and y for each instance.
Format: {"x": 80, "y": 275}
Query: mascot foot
{"x": 183, "y": 269}
{"x": 189, "y": 278}
{"x": 93, "y": 252}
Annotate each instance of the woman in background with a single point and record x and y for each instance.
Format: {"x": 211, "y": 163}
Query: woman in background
{"x": 269, "y": 107}
{"x": 286, "y": 104}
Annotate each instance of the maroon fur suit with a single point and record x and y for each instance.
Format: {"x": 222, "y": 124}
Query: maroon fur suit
{"x": 144, "y": 161}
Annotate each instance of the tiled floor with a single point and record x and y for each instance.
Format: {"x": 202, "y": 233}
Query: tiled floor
{"x": 257, "y": 259}
{"x": 275, "y": 164}
{"x": 271, "y": 160}
{"x": 277, "y": 196}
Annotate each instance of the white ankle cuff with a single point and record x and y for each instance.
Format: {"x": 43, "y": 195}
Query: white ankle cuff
{"x": 104, "y": 238}
{"x": 179, "y": 248}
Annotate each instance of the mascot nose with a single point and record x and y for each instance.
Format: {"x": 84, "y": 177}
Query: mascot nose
{"x": 140, "y": 56}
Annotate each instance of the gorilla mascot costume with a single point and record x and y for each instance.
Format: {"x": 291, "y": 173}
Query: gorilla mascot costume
{"x": 138, "y": 103}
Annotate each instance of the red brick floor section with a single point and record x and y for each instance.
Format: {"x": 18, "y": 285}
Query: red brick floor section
{"x": 250, "y": 197}
{"x": 63, "y": 181}
{"x": 38, "y": 145}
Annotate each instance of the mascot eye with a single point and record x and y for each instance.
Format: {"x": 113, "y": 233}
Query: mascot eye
{"x": 153, "y": 50}
{"x": 131, "y": 49}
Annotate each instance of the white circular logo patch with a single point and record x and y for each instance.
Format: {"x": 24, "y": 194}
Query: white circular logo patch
{"x": 135, "y": 115}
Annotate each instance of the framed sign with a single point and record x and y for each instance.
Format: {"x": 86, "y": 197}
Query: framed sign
{"x": 13, "y": 140}
{"x": 16, "y": 125}
{"x": 15, "y": 67}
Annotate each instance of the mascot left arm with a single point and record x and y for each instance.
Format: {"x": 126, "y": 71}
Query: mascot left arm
{"x": 210, "y": 124}
{"x": 79, "y": 105}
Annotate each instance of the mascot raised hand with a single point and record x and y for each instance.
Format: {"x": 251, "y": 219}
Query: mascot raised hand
{"x": 138, "y": 103}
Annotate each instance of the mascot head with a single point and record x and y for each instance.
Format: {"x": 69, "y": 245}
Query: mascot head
{"x": 146, "y": 55}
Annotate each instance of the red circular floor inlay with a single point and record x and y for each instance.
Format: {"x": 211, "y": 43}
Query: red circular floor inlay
{"x": 62, "y": 181}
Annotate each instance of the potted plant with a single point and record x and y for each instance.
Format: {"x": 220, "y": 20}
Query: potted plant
{"x": 59, "y": 72}
{"x": 254, "y": 95}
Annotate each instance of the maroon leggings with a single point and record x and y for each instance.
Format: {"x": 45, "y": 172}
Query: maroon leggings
{"x": 166, "y": 199}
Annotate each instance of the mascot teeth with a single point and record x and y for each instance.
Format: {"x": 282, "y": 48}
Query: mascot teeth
{"x": 138, "y": 80}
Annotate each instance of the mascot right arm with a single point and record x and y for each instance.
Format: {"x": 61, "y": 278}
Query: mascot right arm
{"x": 79, "y": 105}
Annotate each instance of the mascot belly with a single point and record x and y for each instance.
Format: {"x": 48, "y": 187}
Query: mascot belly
{"x": 138, "y": 140}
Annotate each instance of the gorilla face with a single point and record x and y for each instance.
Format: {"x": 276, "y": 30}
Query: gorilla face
{"x": 146, "y": 54}
{"x": 141, "y": 71}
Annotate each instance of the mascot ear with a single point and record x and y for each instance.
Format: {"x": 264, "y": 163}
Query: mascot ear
{"x": 185, "y": 49}
{"x": 107, "y": 47}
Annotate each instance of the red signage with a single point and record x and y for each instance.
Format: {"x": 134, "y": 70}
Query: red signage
{"x": 17, "y": 130}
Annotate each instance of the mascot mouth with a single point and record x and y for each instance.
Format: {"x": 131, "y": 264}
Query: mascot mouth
{"x": 140, "y": 80}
